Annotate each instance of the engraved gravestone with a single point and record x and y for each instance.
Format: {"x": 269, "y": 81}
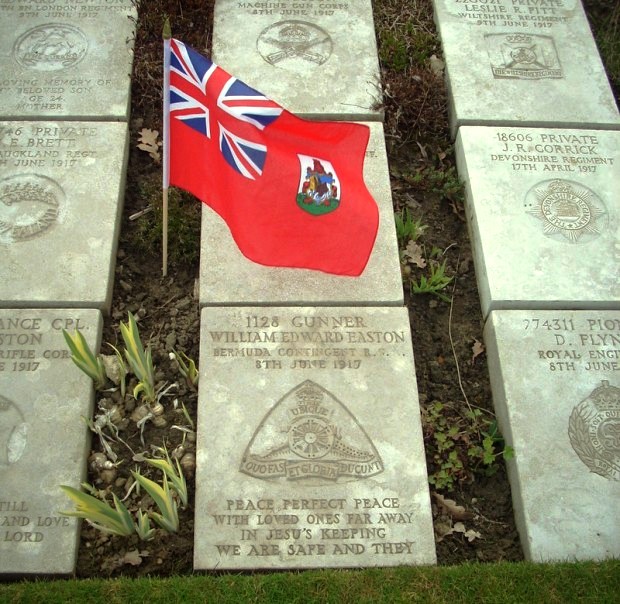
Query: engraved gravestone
{"x": 555, "y": 377}
{"x": 61, "y": 188}
{"x": 542, "y": 209}
{"x": 523, "y": 62}
{"x": 316, "y": 59}
{"x": 305, "y": 459}
{"x": 227, "y": 277}
{"x": 42, "y": 395}
{"x": 68, "y": 60}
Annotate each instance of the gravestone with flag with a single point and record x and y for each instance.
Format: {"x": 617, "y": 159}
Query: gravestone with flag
{"x": 291, "y": 190}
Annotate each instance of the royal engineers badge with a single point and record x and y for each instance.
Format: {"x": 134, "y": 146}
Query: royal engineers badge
{"x": 594, "y": 431}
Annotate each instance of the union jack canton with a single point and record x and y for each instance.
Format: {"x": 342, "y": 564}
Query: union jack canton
{"x": 216, "y": 104}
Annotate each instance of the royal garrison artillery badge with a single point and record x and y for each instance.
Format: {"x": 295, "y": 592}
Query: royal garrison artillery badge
{"x": 569, "y": 210}
{"x": 311, "y": 438}
{"x": 594, "y": 431}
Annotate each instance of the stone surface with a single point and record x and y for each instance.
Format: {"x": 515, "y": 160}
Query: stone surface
{"x": 524, "y": 63}
{"x": 228, "y": 278}
{"x": 542, "y": 208}
{"x": 61, "y": 193}
{"x": 316, "y": 59}
{"x": 555, "y": 377}
{"x": 309, "y": 445}
{"x": 68, "y": 60}
{"x": 43, "y": 441}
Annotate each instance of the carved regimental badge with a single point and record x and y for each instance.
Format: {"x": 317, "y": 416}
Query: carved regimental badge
{"x": 594, "y": 431}
{"x": 523, "y": 56}
{"x": 13, "y": 432}
{"x": 310, "y": 437}
{"x": 51, "y": 47}
{"x": 293, "y": 44}
{"x": 568, "y": 210}
{"x": 29, "y": 205}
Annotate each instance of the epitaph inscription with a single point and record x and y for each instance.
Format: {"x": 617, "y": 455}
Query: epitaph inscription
{"x": 40, "y": 391}
{"x": 327, "y": 471}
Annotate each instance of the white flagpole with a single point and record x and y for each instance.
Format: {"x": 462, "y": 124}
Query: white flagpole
{"x": 167, "y": 34}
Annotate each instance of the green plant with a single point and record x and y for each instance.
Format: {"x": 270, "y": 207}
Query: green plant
{"x": 461, "y": 445}
{"x": 436, "y": 282}
{"x": 116, "y": 520}
{"x": 174, "y": 475}
{"x": 84, "y": 358}
{"x": 407, "y": 228}
{"x": 140, "y": 361}
{"x": 163, "y": 497}
{"x": 184, "y": 216}
{"x": 122, "y": 370}
{"x": 187, "y": 367}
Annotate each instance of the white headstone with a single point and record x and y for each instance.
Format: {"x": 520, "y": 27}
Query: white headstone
{"x": 542, "y": 208}
{"x": 316, "y": 59}
{"x": 66, "y": 60}
{"x": 228, "y": 278}
{"x": 43, "y": 440}
{"x": 310, "y": 449}
{"x": 61, "y": 196}
{"x": 523, "y": 63}
{"x": 555, "y": 377}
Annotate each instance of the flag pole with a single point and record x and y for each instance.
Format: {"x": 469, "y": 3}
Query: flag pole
{"x": 166, "y": 35}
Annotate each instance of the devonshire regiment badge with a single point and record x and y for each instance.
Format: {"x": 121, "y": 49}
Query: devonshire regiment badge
{"x": 319, "y": 187}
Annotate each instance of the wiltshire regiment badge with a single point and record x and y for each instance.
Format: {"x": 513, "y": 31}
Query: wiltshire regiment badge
{"x": 523, "y": 56}
{"x": 311, "y": 438}
{"x": 319, "y": 188}
{"x": 594, "y": 431}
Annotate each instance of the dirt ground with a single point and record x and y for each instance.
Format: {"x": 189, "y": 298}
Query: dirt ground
{"x": 476, "y": 521}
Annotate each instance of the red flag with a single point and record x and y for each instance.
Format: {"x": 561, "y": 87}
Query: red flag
{"x": 291, "y": 190}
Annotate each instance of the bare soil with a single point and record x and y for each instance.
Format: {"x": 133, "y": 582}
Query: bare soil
{"x": 450, "y": 364}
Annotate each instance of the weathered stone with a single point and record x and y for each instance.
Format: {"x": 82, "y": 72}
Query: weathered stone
{"x": 316, "y": 59}
{"x": 227, "y": 277}
{"x": 69, "y": 60}
{"x": 555, "y": 377}
{"x": 43, "y": 441}
{"x": 525, "y": 63}
{"x": 305, "y": 457}
{"x": 61, "y": 193}
{"x": 543, "y": 215}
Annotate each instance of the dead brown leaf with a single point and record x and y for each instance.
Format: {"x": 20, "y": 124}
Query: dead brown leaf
{"x": 457, "y": 512}
{"x": 134, "y": 557}
{"x": 149, "y": 142}
{"x": 477, "y": 349}
{"x": 413, "y": 252}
